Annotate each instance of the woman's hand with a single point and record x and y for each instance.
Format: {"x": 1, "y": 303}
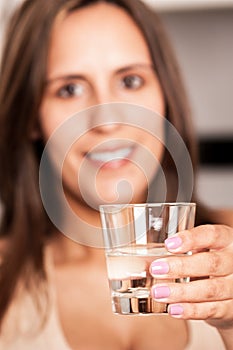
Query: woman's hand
{"x": 209, "y": 295}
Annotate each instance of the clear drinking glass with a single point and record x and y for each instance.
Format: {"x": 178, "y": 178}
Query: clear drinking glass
{"x": 134, "y": 236}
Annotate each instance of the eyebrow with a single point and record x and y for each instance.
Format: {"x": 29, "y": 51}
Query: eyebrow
{"x": 118, "y": 71}
{"x": 135, "y": 66}
{"x": 64, "y": 77}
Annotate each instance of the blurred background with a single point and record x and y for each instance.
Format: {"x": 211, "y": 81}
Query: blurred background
{"x": 201, "y": 32}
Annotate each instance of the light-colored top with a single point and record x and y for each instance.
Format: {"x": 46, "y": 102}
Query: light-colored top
{"x": 20, "y": 330}
{"x": 16, "y": 336}
{"x": 202, "y": 336}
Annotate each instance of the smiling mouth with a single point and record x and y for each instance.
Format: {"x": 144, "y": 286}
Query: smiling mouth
{"x": 108, "y": 156}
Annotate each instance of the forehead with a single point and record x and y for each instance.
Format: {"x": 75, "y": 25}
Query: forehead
{"x": 95, "y": 30}
{"x": 97, "y": 16}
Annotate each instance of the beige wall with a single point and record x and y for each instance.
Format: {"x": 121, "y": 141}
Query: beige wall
{"x": 203, "y": 42}
{"x": 204, "y": 46}
{"x": 6, "y": 8}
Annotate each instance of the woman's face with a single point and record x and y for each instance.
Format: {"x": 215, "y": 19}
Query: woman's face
{"x": 98, "y": 56}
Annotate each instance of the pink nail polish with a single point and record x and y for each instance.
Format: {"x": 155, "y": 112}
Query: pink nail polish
{"x": 161, "y": 292}
{"x": 159, "y": 267}
{"x": 173, "y": 242}
{"x": 175, "y": 310}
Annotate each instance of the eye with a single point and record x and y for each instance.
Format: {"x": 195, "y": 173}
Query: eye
{"x": 133, "y": 82}
{"x": 71, "y": 90}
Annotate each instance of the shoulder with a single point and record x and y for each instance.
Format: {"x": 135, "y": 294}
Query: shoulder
{"x": 26, "y": 318}
{"x": 209, "y": 215}
{"x": 224, "y": 216}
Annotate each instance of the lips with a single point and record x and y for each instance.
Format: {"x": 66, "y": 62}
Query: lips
{"x": 110, "y": 156}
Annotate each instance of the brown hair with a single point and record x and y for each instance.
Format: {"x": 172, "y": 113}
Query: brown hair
{"x": 23, "y": 71}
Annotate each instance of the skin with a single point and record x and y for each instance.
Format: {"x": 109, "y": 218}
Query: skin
{"x": 100, "y": 81}
{"x": 97, "y": 81}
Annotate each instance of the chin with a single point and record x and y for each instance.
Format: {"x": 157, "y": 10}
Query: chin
{"x": 123, "y": 191}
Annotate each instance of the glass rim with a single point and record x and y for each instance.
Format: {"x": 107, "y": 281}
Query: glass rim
{"x": 148, "y": 205}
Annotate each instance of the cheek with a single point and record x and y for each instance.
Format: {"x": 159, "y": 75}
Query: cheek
{"x": 156, "y": 145}
{"x": 154, "y": 98}
{"x": 150, "y": 156}
{"x": 157, "y": 102}
{"x": 52, "y": 115}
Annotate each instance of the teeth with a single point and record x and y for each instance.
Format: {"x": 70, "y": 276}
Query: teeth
{"x": 110, "y": 155}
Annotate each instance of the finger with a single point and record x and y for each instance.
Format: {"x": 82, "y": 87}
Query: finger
{"x": 200, "y": 237}
{"x": 203, "y": 311}
{"x": 215, "y": 289}
{"x": 213, "y": 263}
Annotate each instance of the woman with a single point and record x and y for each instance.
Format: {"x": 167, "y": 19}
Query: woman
{"x": 63, "y": 57}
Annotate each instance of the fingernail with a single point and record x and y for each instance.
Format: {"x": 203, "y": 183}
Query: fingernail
{"x": 175, "y": 310}
{"x": 173, "y": 242}
{"x": 159, "y": 267}
{"x": 160, "y": 292}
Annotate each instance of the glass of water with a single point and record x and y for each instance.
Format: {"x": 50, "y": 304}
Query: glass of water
{"x": 134, "y": 236}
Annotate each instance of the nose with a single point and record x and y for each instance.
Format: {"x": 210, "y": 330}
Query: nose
{"x": 107, "y": 115}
